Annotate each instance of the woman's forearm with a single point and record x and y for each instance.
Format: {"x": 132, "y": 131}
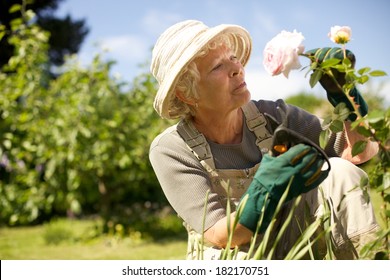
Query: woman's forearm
{"x": 352, "y": 137}
{"x": 219, "y": 236}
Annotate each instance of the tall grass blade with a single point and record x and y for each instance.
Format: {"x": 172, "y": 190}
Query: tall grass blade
{"x": 284, "y": 227}
{"x": 203, "y": 225}
{"x": 266, "y": 238}
{"x": 304, "y": 243}
{"x": 327, "y": 226}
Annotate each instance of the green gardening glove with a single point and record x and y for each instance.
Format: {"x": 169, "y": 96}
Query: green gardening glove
{"x": 272, "y": 178}
{"x": 334, "y": 94}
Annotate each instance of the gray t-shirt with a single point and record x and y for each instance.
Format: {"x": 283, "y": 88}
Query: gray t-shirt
{"x": 184, "y": 180}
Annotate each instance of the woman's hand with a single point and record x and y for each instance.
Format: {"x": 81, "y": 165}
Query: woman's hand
{"x": 334, "y": 80}
{"x": 300, "y": 165}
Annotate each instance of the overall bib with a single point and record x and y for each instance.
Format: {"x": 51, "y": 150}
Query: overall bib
{"x": 221, "y": 179}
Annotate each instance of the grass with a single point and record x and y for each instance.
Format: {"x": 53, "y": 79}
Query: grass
{"x": 31, "y": 243}
{"x": 79, "y": 240}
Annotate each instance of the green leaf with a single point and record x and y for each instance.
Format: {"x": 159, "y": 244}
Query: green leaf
{"x": 359, "y": 147}
{"x": 340, "y": 68}
{"x": 324, "y": 138}
{"x": 363, "y": 131}
{"x": 364, "y": 70}
{"x": 308, "y": 71}
{"x": 7, "y": 144}
{"x": 330, "y": 62}
{"x": 377, "y": 73}
{"x": 341, "y": 112}
{"x": 327, "y": 121}
{"x": 15, "y": 8}
{"x": 29, "y": 15}
{"x": 375, "y": 116}
{"x": 315, "y": 77}
{"x": 347, "y": 62}
{"x": 363, "y": 79}
{"x": 314, "y": 65}
{"x": 336, "y": 126}
{"x": 16, "y": 23}
{"x": 350, "y": 76}
{"x": 2, "y": 31}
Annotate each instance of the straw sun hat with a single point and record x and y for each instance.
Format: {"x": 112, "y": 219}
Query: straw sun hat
{"x": 176, "y": 48}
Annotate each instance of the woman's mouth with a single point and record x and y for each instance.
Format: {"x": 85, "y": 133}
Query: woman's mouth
{"x": 242, "y": 85}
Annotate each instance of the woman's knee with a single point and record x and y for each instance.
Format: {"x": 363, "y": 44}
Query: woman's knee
{"x": 345, "y": 171}
{"x": 344, "y": 177}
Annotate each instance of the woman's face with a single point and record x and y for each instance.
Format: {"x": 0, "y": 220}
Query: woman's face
{"x": 222, "y": 86}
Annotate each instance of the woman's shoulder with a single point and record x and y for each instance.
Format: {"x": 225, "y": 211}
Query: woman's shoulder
{"x": 169, "y": 142}
{"x": 169, "y": 135}
{"x": 266, "y": 105}
{"x": 168, "y": 150}
{"x": 271, "y": 107}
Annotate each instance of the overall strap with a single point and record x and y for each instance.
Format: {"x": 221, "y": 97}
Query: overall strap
{"x": 257, "y": 123}
{"x": 197, "y": 144}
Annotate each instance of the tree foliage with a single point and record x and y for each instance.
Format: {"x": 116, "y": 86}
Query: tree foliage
{"x": 66, "y": 34}
{"x": 74, "y": 145}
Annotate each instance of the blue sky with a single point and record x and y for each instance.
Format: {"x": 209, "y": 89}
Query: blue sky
{"x": 128, "y": 29}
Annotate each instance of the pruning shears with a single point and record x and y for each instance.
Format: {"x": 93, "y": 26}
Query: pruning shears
{"x": 284, "y": 138}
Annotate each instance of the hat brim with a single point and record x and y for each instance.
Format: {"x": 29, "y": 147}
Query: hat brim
{"x": 242, "y": 48}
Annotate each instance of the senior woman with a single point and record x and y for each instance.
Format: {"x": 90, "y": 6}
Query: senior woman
{"x": 219, "y": 150}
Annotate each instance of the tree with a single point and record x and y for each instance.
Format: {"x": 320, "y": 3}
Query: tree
{"x": 77, "y": 144}
{"x": 66, "y": 36}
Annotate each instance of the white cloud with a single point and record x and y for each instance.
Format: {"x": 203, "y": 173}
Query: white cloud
{"x": 126, "y": 48}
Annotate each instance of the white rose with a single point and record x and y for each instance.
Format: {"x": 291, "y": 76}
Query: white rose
{"x": 281, "y": 54}
{"x": 340, "y": 34}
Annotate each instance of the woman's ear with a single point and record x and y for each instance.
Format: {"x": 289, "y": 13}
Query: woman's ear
{"x": 183, "y": 98}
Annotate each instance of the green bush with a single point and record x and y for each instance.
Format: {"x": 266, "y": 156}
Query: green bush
{"x": 57, "y": 232}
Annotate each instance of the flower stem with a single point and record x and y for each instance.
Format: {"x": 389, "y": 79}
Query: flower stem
{"x": 344, "y": 50}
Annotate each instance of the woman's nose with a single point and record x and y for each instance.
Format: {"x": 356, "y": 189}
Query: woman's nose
{"x": 236, "y": 69}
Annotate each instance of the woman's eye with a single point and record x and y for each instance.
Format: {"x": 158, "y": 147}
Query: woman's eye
{"x": 233, "y": 58}
{"x": 216, "y": 67}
